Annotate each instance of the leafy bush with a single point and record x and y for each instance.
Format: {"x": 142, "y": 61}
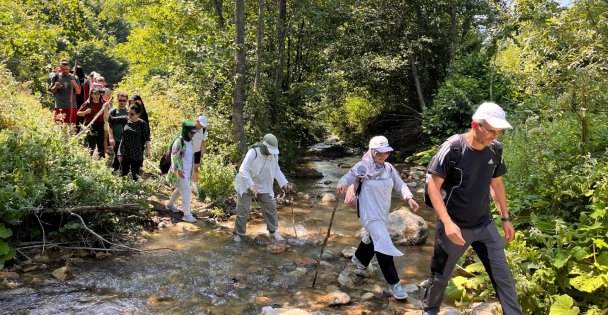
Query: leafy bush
{"x": 216, "y": 179}
{"x": 349, "y": 122}
{"x": 43, "y": 167}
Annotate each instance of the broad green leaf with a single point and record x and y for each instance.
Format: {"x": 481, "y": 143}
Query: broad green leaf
{"x": 561, "y": 259}
{"x": 476, "y": 267}
{"x": 563, "y": 305}
{"x": 579, "y": 253}
{"x": 540, "y": 204}
{"x": 5, "y": 232}
{"x": 588, "y": 284}
{"x": 455, "y": 290}
{"x": 4, "y": 248}
{"x": 599, "y": 242}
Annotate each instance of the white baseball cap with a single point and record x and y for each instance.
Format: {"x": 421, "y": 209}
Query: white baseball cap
{"x": 271, "y": 142}
{"x": 493, "y": 115}
{"x": 380, "y": 144}
{"x": 202, "y": 119}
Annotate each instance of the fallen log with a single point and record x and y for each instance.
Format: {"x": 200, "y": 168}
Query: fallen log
{"x": 102, "y": 208}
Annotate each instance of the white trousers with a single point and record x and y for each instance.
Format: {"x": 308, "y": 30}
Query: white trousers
{"x": 183, "y": 188}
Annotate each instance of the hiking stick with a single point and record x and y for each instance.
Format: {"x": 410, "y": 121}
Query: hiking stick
{"x": 95, "y": 118}
{"x": 331, "y": 222}
{"x": 293, "y": 218}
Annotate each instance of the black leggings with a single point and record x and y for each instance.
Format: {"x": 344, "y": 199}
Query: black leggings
{"x": 95, "y": 138}
{"x": 132, "y": 165}
{"x": 365, "y": 253}
{"x": 115, "y": 161}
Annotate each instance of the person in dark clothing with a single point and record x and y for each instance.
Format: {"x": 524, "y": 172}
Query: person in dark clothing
{"x": 95, "y": 135}
{"x": 115, "y": 133}
{"x": 136, "y": 99}
{"x": 135, "y": 137}
{"x": 464, "y": 210}
{"x": 80, "y": 99}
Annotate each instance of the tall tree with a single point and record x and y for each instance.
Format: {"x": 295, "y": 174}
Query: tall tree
{"x": 238, "y": 99}
{"x": 258, "y": 52}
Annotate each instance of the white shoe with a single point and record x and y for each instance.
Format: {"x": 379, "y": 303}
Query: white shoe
{"x": 275, "y": 236}
{"x": 173, "y": 208}
{"x": 189, "y": 218}
{"x": 238, "y": 238}
{"x": 397, "y": 291}
{"x": 357, "y": 262}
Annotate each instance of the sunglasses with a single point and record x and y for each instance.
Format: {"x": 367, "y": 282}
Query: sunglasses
{"x": 122, "y": 101}
{"x": 490, "y": 132}
{"x": 131, "y": 114}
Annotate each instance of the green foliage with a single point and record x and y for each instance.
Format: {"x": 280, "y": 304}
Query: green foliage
{"x": 216, "y": 179}
{"x": 44, "y": 168}
{"x": 349, "y": 122}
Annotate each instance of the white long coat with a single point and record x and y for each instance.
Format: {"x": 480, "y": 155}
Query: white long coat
{"x": 375, "y": 203}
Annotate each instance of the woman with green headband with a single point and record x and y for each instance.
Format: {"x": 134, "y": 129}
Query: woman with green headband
{"x": 182, "y": 161}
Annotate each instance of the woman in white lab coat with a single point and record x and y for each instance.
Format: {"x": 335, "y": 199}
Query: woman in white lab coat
{"x": 377, "y": 179}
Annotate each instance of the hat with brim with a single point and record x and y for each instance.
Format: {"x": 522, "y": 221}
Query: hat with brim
{"x": 493, "y": 115}
{"x": 271, "y": 149}
{"x": 384, "y": 149}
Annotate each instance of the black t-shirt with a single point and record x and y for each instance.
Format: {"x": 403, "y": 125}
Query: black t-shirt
{"x": 134, "y": 136}
{"x": 467, "y": 186}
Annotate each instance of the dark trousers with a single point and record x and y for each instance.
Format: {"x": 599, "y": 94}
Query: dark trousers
{"x": 115, "y": 161}
{"x": 489, "y": 247}
{"x": 130, "y": 165}
{"x": 365, "y": 253}
{"x": 95, "y": 138}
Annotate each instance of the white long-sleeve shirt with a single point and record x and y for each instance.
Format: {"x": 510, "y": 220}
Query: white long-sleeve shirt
{"x": 375, "y": 203}
{"x": 259, "y": 170}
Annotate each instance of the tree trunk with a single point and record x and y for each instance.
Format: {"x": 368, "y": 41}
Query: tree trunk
{"x": 238, "y": 99}
{"x": 217, "y": 4}
{"x": 258, "y": 53}
{"x": 281, "y": 34}
{"x": 417, "y": 82}
{"x": 454, "y": 23}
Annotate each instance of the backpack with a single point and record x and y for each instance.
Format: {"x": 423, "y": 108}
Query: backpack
{"x": 351, "y": 197}
{"x": 165, "y": 159}
{"x": 455, "y": 155}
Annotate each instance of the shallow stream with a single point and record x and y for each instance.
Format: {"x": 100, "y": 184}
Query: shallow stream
{"x": 207, "y": 273}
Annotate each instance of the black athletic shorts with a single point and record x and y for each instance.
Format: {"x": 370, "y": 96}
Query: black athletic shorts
{"x": 197, "y": 157}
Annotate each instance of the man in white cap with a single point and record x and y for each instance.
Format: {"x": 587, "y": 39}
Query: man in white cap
{"x": 198, "y": 145}
{"x": 464, "y": 214}
{"x": 255, "y": 179}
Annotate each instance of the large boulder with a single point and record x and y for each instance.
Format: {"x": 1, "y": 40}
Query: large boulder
{"x": 405, "y": 228}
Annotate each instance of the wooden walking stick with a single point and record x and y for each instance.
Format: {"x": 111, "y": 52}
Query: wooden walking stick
{"x": 96, "y": 116}
{"x": 331, "y": 222}
{"x": 293, "y": 218}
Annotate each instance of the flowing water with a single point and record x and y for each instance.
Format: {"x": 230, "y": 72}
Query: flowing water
{"x": 207, "y": 273}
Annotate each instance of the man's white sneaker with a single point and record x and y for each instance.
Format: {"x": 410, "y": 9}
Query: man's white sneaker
{"x": 238, "y": 238}
{"x": 397, "y": 291}
{"x": 173, "y": 208}
{"x": 189, "y": 218}
{"x": 357, "y": 262}
{"x": 275, "y": 236}
{"x": 366, "y": 239}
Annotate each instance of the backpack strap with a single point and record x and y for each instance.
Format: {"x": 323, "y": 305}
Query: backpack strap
{"x": 455, "y": 150}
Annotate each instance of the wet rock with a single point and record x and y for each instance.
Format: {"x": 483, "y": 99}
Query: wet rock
{"x": 450, "y": 311}
{"x": 336, "y": 298}
{"x": 414, "y": 303}
{"x": 374, "y": 288}
{"x": 63, "y": 273}
{"x": 410, "y": 288}
{"x": 418, "y": 172}
{"x": 328, "y": 197}
{"x": 348, "y": 279}
{"x": 367, "y": 296}
{"x": 307, "y": 173}
{"x": 348, "y": 252}
{"x": 263, "y": 239}
{"x": 42, "y": 258}
{"x": 81, "y": 253}
{"x": 305, "y": 261}
{"x": 263, "y": 300}
{"x": 269, "y": 310}
{"x": 304, "y": 196}
{"x": 78, "y": 261}
{"x": 103, "y": 254}
{"x": 313, "y": 239}
{"x": 486, "y": 309}
{"x": 298, "y": 273}
{"x": 9, "y": 275}
{"x": 327, "y": 255}
{"x": 31, "y": 268}
{"x": 277, "y": 248}
{"x": 407, "y": 228}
